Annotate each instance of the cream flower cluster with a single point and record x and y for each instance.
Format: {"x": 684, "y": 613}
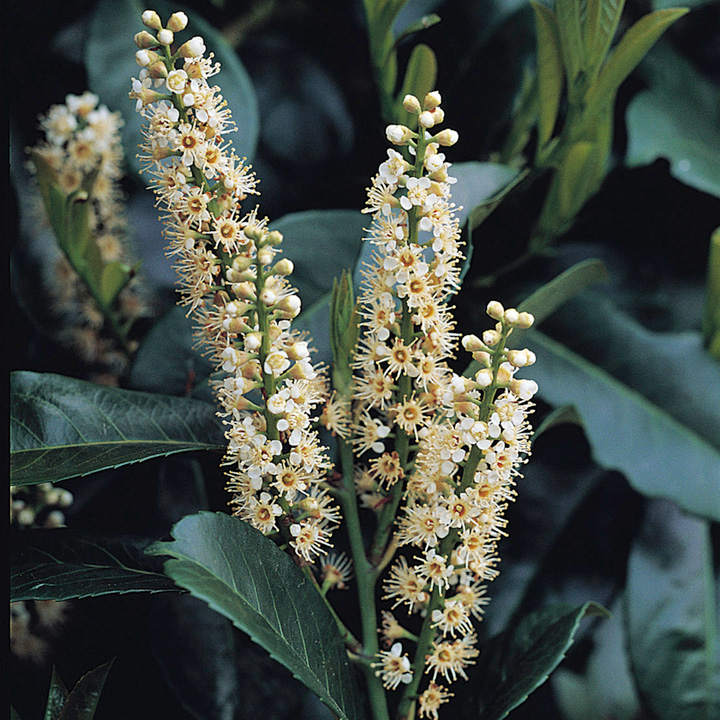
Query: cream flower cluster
{"x": 234, "y": 281}
{"x": 457, "y": 442}
{"x": 82, "y": 146}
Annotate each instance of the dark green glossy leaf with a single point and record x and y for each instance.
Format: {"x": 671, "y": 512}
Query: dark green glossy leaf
{"x": 62, "y": 428}
{"x": 321, "y": 243}
{"x": 62, "y": 564}
{"x": 248, "y": 579}
{"x": 477, "y": 184}
{"x": 57, "y": 695}
{"x": 672, "y": 616}
{"x": 110, "y": 62}
{"x": 84, "y": 697}
{"x": 678, "y": 118}
{"x": 516, "y": 662}
{"x": 169, "y": 361}
{"x": 559, "y": 416}
{"x": 650, "y": 402}
{"x": 548, "y": 298}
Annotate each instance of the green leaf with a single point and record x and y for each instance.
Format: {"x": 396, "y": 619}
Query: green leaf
{"x": 84, "y": 697}
{"x": 573, "y": 178}
{"x": 76, "y": 239}
{"x": 711, "y": 314}
{"x": 549, "y": 297}
{"x": 115, "y": 276}
{"x": 110, "y": 63}
{"x": 425, "y": 22}
{"x": 677, "y": 118}
{"x": 62, "y": 564}
{"x": 571, "y": 39}
{"x": 248, "y": 579}
{"x": 480, "y": 185}
{"x": 549, "y": 70}
{"x": 169, "y": 361}
{"x": 672, "y": 616}
{"x": 631, "y": 49}
{"x": 316, "y": 321}
{"x": 62, "y": 428}
{"x": 644, "y": 419}
{"x": 605, "y": 687}
{"x": 321, "y": 243}
{"x": 516, "y": 662}
{"x": 601, "y": 23}
{"x": 420, "y": 76}
{"x": 57, "y": 695}
{"x": 559, "y": 416}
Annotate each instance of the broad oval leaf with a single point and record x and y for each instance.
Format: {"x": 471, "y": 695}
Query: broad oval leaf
{"x": 110, "y": 62}
{"x": 640, "y": 419}
{"x": 516, "y": 662}
{"x": 57, "y": 695}
{"x": 672, "y": 616}
{"x": 169, "y": 361}
{"x": 248, "y": 579}
{"x": 321, "y": 243}
{"x": 62, "y": 564}
{"x": 677, "y": 118}
{"x": 61, "y": 427}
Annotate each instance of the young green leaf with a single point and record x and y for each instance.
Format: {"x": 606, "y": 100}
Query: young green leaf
{"x": 573, "y": 178}
{"x": 84, "y": 697}
{"x": 559, "y": 416}
{"x": 62, "y": 564}
{"x": 516, "y": 662}
{"x": 672, "y": 616}
{"x": 248, "y": 579}
{"x": 549, "y": 297}
{"x": 114, "y": 277}
{"x": 601, "y": 22}
{"x": 711, "y": 315}
{"x": 420, "y": 76}
{"x": 631, "y": 49}
{"x": 549, "y": 70}
{"x": 62, "y": 428}
{"x": 571, "y": 40}
{"x": 57, "y": 695}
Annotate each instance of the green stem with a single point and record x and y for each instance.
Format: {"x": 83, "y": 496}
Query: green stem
{"x": 365, "y": 578}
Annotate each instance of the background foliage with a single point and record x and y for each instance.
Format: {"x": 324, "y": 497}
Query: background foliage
{"x": 621, "y": 501}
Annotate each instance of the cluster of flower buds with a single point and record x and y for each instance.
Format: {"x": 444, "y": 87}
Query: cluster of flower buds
{"x": 38, "y": 504}
{"x": 81, "y": 153}
{"x": 237, "y": 285}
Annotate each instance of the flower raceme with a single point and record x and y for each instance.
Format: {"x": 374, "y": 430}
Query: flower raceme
{"x": 446, "y": 448}
{"x": 235, "y": 283}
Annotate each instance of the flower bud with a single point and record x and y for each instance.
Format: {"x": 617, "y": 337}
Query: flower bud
{"x": 517, "y": 358}
{"x": 447, "y": 137}
{"x": 165, "y": 37}
{"x": 398, "y": 134}
{"x": 145, "y": 40}
{"x": 504, "y": 374}
{"x": 178, "y": 21}
{"x": 524, "y": 389}
{"x": 411, "y": 104}
{"x": 283, "y": 267}
{"x": 495, "y": 310}
{"x": 525, "y": 320}
{"x": 274, "y": 238}
{"x": 484, "y": 377}
{"x": 491, "y": 337}
{"x": 298, "y": 351}
{"x": 143, "y": 57}
{"x": 158, "y": 70}
{"x": 290, "y": 305}
{"x": 510, "y": 316}
{"x": 55, "y": 519}
{"x": 265, "y": 256}
{"x": 152, "y": 20}
{"x": 268, "y": 297}
{"x": 253, "y": 341}
{"x": 529, "y": 357}
{"x": 241, "y": 262}
{"x": 244, "y": 290}
{"x": 432, "y": 100}
{"x": 194, "y": 47}
{"x": 439, "y": 115}
{"x": 426, "y": 119}
{"x": 482, "y": 357}
{"x": 471, "y": 343}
